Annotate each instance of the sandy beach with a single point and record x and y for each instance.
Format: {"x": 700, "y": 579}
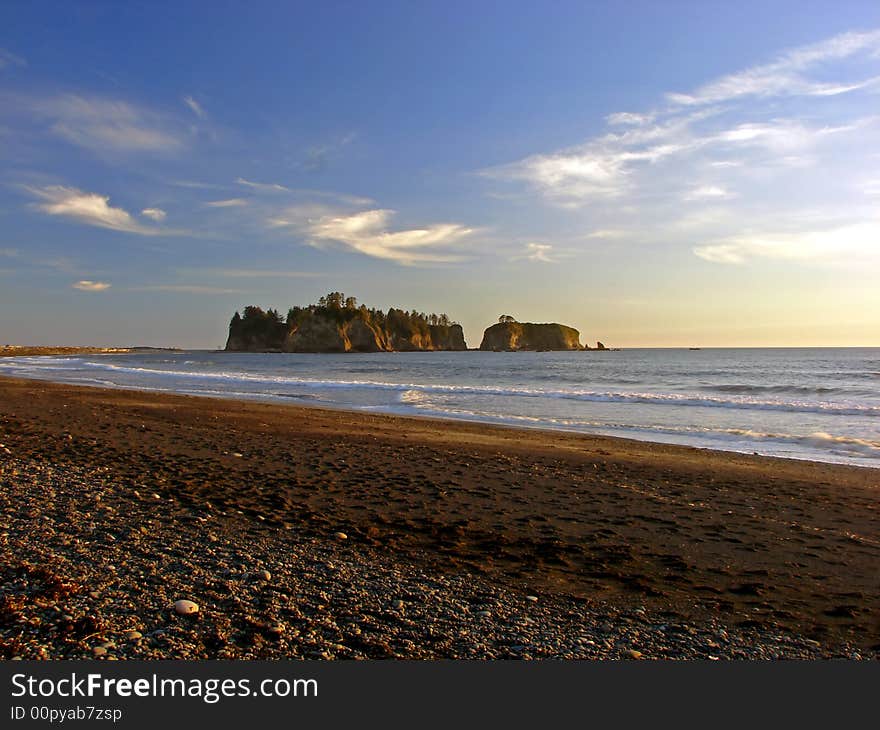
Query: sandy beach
{"x": 117, "y": 503}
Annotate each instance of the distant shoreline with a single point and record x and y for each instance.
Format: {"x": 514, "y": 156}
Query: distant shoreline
{"x": 36, "y": 350}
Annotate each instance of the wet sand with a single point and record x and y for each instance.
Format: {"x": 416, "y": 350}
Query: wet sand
{"x": 687, "y": 533}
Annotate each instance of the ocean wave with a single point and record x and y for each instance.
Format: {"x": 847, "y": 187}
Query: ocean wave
{"x": 797, "y": 389}
{"x": 623, "y": 397}
{"x": 819, "y": 440}
{"x": 43, "y": 362}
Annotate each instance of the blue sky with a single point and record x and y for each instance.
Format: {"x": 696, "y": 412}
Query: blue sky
{"x": 651, "y": 173}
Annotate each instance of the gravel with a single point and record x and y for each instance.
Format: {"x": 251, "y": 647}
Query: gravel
{"x": 93, "y": 567}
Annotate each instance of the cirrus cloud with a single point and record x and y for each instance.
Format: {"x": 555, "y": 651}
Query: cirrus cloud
{"x": 156, "y": 214}
{"x": 367, "y": 233}
{"x": 8, "y": 59}
{"x": 102, "y": 125}
{"x": 88, "y": 208}
{"x": 538, "y": 252}
{"x": 88, "y": 285}
{"x": 195, "y": 107}
{"x": 769, "y": 146}
{"x": 849, "y": 242}
{"x": 786, "y": 76}
{"x": 726, "y": 123}
{"x": 228, "y": 203}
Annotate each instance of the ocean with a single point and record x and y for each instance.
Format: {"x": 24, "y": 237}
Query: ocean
{"x": 821, "y": 404}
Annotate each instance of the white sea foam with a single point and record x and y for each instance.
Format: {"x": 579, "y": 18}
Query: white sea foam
{"x": 846, "y": 408}
{"x": 818, "y": 440}
{"x": 643, "y": 398}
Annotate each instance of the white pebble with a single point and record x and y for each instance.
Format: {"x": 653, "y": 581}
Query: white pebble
{"x": 183, "y": 607}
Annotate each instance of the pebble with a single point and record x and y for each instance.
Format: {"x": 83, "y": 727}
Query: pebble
{"x": 184, "y": 607}
{"x": 340, "y": 536}
{"x": 326, "y": 599}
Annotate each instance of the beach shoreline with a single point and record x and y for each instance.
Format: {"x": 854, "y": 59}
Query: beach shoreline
{"x": 762, "y": 544}
{"x": 719, "y": 417}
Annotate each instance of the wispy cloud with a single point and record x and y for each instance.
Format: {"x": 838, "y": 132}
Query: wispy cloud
{"x": 228, "y": 203}
{"x": 319, "y": 156}
{"x": 745, "y": 151}
{"x": 56, "y": 263}
{"x": 197, "y": 185}
{"x": 606, "y": 166}
{"x": 367, "y": 232}
{"x": 88, "y": 208}
{"x": 101, "y": 125}
{"x": 708, "y": 192}
{"x": 707, "y": 127}
{"x": 300, "y": 215}
{"x": 618, "y": 164}
{"x": 786, "y": 76}
{"x": 606, "y": 233}
{"x": 260, "y": 187}
{"x": 156, "y": 214}
{"x": 628, "y": 118}
{"x": 195, "y": 107}
{"x": 851, "y": 242}
{"x": 569, "y": 176}
{"x": 9, "y": 59}
{"x": 538, "y": 252}
{"x": 265, "y": 187}
{"x": 87, "y": 285}
{"x": 259, "y": 274}
{"x": 188, "y": 289}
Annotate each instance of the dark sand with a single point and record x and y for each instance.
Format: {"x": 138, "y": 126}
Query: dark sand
{"x": 693, "y": 533}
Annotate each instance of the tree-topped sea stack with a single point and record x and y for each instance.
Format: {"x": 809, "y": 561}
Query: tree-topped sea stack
{"x": 337, "y": 324}
{"x": 510, "y": 335}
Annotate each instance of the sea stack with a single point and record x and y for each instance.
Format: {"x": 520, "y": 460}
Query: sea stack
{"x": 337, "y": 324}
{"x": 511, "y": 336}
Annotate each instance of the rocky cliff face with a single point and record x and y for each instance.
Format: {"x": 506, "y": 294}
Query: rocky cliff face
{"x": 267, "y": 339}
{"x": 528, "y": 336}
{"x": 447, "y": 337}
{"x": 319, "y": 335}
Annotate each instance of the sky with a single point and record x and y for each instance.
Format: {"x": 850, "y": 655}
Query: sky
{"x": 654, "y": 174}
